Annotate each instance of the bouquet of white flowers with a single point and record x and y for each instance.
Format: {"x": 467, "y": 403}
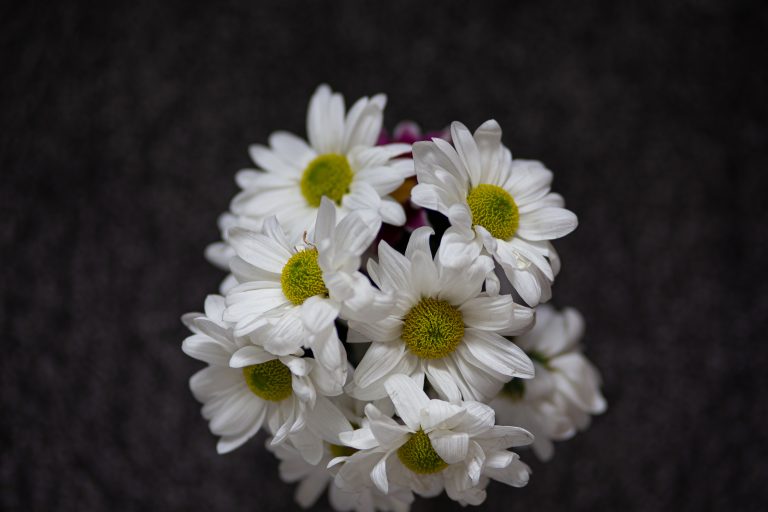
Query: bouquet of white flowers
{"x": 451, "y": 349}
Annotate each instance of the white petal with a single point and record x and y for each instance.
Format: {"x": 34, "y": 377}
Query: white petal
{"x": 268, "y": 160}
{"x": 389, "y": 433}
{"x": 228, "y": 443}
{"x": 466, "y": 148}
{"x": 361, "y": 439}
{"x": 205, "y": 349}
{"x": 387, "y": 329}
{"x": 440, "y": 414}
{"x": 392, "y": 212}
{"x": 451, "y": 446}
{"x": 329, "y": 351}
{"x": 498, "y": 353}
{"x": 378, "y": 362}
{"x": 547, "y": 224}
{"x": 259, "y": 250}
{"x": 419, "y": 241}
{"x": 408, "y": 397}
{"x": 311, "y": 488}
{"x": 291, "y": 149}
{"x": 379, "y": 475}
{"x": 326, "y": 220}
{"x": 479, "y": 418}
{"x": 317, "y": 313}
{"x": 516, "y": 474}
{"x": 499, "y": 314}
{"x": 503, "y": 437}
{"x": 356, "y": 231}
{"x": 442, "y": 380}
{"x": 308, "y": 445}
{"x": 423, "y": 275}
{"x": 327, "y": 421}
{"x": 248, "y": 356}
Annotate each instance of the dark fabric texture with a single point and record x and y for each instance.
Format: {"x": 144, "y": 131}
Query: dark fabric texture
{"x": 123, "y": 123}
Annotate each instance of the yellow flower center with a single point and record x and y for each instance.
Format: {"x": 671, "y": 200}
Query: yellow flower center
{"x": 327, "y": 175}
{"x": 433, "y": 328}
{"x": 302, "y": 277}
{"x": 418, "y": 455}
{"x": 270, "y": 381}
{"x": 494, "y": 209}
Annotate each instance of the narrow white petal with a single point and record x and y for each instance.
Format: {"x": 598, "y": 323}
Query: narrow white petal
{"x": 205, "y": 349}
{"x": 378, "y": 362}
{"x": 479, "y": 418}
{"x": 392, "y": 212}
{"x": 547, "y": 224}
{"x": 440, "y": 414}
{"x": 259, "y": 250}
{"x": 498, "y": 353}
{"x": 317, "y": 313}
{"x": 291, "y": 149}
{"x": 503, "y": 437}
{"x": 442, "y": 380}
{"x": 451, "y": 446}
{"x": 466, "y": 148}
{"x": 327, "y": 421}
{"x": 248, "y": 356}
{"x": 379, "y": 474}
{"x": 361, "y": 439}
{"x": 408, "y": 397}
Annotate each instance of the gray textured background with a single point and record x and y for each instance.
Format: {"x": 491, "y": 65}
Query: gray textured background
{"x": 122, "y": 124}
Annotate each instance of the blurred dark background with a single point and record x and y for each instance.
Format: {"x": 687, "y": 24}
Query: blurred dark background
{"x": 123, "y": 123}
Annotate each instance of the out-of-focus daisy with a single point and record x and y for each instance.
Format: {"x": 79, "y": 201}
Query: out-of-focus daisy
{"x": 559, "y": 400}
{"x": 298, "y": 291}
{"x": 451, "y": 446}
{"x": 314, "y": 479}
{"x": 341, "y": 162}
{"x": 442, "y": 326}
{"x": 245, "y": 387}
{"x": 496, "y": 203}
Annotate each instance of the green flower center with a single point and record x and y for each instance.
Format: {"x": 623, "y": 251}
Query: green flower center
{"x": 515, "y": 389}
{"x": 433, "y": 328}
{"x": 418, "y": 455}
{"x": 494, "y": 209}
{"x": 341, "y": 451}
{"x": 327, "y": 175}
{"x": 302, "y": 278}
{"x": 270, "y": 381}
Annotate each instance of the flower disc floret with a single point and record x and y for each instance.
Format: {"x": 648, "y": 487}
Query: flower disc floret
{"x": 418, "y": 455}
{"x": 493, "y": 208}
{"x": 302, "y": 277}
{"x": 433, "y": 328}
{"x": 327, "y": 175}
{"x": 271, "y": 380}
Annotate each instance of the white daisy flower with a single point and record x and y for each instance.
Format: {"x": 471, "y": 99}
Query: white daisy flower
{"x": 245, "y": 387}
{"x": 559, "y": 400}
{"x": 495, "y": 203}
{"x": 299, "y": 291}
{"x": 340, "y": 162}
{"x": 313, "y": 480}
{"x": 448, "y": 446}
{"x": 442, "y": 326}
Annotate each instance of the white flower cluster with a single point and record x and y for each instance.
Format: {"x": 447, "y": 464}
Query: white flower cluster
{"x": 449, "y": 352}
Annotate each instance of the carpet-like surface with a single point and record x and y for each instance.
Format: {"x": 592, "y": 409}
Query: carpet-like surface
{"x": 122, "y": 124}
